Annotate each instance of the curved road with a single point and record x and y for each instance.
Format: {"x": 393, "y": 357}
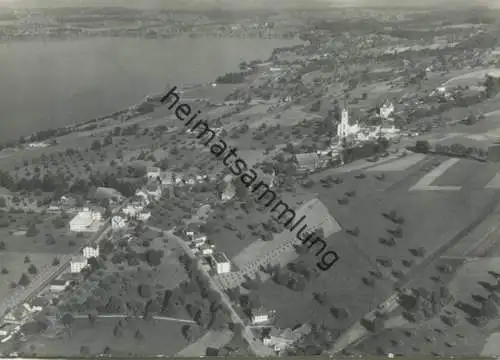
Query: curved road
{"x": 256, "y": 346}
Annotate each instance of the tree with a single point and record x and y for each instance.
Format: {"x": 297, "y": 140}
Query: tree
{"x": 422, "y": 146}
{"x": 144, "y": 291}
{"x": 186, "y": 331}
{"x": 92, "y": 316}
{"x": 138, "y": 335}
{"x": 32, "y": 231}
{"x": 96, "y": 145}
{"x": 84, "y": 350}
{"x": 24, "y": 280}
{"x": 67, "y": 320}
{"x": 117, "y": 331}
{"x": 32, "y": 269}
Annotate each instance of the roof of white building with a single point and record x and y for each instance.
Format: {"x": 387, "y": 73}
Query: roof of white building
{"x": 85, "y": 218}
{"x": 220, "y": 257}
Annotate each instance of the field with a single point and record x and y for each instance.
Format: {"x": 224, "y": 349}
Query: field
{"x": 471, "y": 78}
{"x": 435, "y": 337}
{"x": 15, "y": 264}
{"x": 158, "y": 337}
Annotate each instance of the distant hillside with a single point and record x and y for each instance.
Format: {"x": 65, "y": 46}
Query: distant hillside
{"x": 242, "y": 4}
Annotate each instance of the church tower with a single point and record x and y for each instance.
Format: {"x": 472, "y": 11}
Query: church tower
{"x": 343, "y": 127}
{"x": 273, "y": 179}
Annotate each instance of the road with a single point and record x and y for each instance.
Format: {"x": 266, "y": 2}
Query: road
{"x": 356, "y": 333}
{"x": 257, "y": 347}
{"x": 45, "y": 277}
{"x": 123, "y": 316}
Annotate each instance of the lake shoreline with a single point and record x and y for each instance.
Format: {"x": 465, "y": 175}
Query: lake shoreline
{"x": 72, "y": 82}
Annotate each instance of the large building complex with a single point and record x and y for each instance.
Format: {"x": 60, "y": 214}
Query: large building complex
{"x": 86, "y": 221}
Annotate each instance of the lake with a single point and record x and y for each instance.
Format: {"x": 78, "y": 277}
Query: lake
{"x": 47, "y": 84}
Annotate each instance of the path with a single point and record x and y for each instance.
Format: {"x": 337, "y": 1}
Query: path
{"x": 256, "y": 346}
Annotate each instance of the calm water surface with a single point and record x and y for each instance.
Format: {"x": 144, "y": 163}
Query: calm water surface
{"x": 52, "y": 83}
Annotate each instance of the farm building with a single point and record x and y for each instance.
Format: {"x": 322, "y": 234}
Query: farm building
{"x": 221, "y": 263}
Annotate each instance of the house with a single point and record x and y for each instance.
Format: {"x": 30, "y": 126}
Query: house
{"x": 5, "y": 329}
{"x": 77, "y": 264}
{"x": 133, "y": 210}
{"x": 53, "y": 209}
{"x": 307, "y": 162}
{"x": 153, "y": 190}
{"x": 142, "y": 196}
{"x": 279, "y": 340}
{"x": 206, "y": 249}
{"x": 199, "y": 238}
{"x": 118, "y": 222}
{"x": 90, "y": 251}
{"x": 67, "y": 202}
{"x": 86, "y": 221}
{"x": 229, "y": 189}
{"x": 260, "y": 316}
{"x": 59, "y": 285}
{"x": 153, "y": 172}
{"x": 106, "y": 193}
{"x": 386, "y": 110}
{"x": 221, "y": 263}
{"x": 167, "y": 179}
{"x": 143, "y": 216}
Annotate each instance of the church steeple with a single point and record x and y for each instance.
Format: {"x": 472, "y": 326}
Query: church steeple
{"x": 343, "y": 127}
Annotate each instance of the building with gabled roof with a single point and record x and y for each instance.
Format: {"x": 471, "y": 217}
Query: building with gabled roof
{"x": 307, "y": 162}
{"x": 279, "y": 340}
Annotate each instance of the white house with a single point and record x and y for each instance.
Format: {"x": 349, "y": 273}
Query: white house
{"x": 90, "y": 251}
{"x": 132, "y": 210}
{"x": 279, "y": 340}
{"x": 388, "y": 131}
{"x": 153, "y": 172}
{"x": 167, "y": 179}
{"x": 206, "y": 249}
{"x": 229, "y": 190}
{"x": 199, "y": 240}
{"x": 5, "y": 329}
{"x": 386, "y": 110}
{"x": 59, "y": 285}
{"x": 260, "y": 316}
{"x": 143, "y": 216}
{"x": 221, "y": 262}
{"x": 117, "y": 222}
{"x": 154, "y": 191}
{"x": 77, "y": 264}
{"x": 143, "y": 195}
{"x": 86, "y": 221}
